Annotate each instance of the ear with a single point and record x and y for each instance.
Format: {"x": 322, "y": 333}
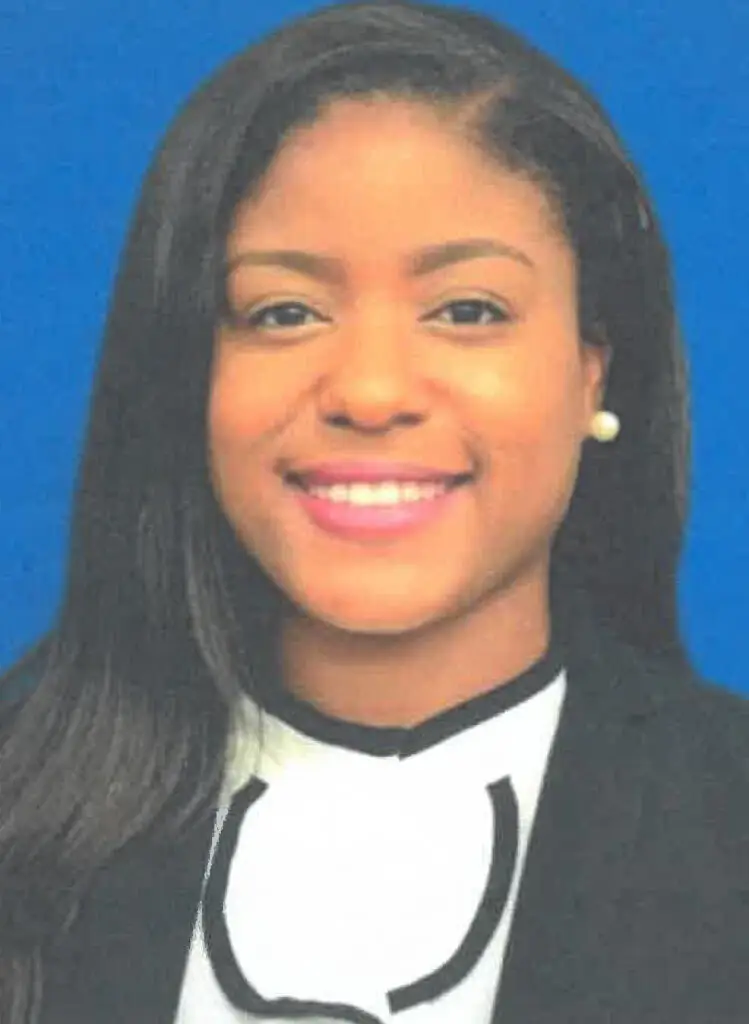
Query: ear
{"x": 595, "y": 362}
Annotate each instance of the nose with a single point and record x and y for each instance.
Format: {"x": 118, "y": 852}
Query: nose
{"x": 372, "y": 383}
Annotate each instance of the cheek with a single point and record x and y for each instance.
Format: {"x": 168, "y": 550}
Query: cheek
{"x": 530, "y": 421}
{"x": 250, "y": 402}
{"x": 238, "y": 423}
{"x": 233, "y": 424}
{"x": 523, "y": 403}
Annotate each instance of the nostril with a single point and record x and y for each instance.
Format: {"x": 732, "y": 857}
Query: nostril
{"x": 345, "y": 420}
{"x": 339, "y": 420}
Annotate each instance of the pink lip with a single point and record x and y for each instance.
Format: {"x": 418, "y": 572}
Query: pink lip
{"x": 329, "y": 473}
{"x": 357, "y": 522}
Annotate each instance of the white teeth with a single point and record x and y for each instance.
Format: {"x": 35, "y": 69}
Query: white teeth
{"x": 411, "y": 492}
{"x": 337, "y": 492}
{"x": 389, "y": 492}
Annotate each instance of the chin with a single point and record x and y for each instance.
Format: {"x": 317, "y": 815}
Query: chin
{"x": 373, "y": 620}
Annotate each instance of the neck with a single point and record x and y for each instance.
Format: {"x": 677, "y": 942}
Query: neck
{"x": 404, "y": 679}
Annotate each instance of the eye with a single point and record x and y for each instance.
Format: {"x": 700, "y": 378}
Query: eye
{"x": 474, "y": 312}
{"x": 280, "y": 315}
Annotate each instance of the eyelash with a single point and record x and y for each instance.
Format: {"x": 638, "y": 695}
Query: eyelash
{"x": 254, "y": 319}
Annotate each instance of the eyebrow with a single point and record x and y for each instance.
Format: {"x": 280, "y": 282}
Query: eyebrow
{"x": 425, "y": 261}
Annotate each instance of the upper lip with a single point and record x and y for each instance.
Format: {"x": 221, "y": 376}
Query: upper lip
{"x": 329, "y": 473}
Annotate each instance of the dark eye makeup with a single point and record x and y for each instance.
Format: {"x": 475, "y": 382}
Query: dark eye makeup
{"x": 468, "y": 312}
{"x": 467, "y": 308}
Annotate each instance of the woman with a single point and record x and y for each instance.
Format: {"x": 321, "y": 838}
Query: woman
{"x": 370, "y": 623}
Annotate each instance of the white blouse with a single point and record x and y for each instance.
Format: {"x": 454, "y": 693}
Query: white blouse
{"x": 366, "y": 874}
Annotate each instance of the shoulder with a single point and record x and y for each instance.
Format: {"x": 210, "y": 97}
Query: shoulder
{"x": 696, "y": 714}
{"x": 693, "y": 755}
{"x": 691, "y": 732}
{"x": 715, "y": 705}
{"x": 707, "y": 710}
{"x": 712, "y": 725}
{"x": 667, "y": 686}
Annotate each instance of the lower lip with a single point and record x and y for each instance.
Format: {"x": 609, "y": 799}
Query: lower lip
{"x": 366, "y": 522}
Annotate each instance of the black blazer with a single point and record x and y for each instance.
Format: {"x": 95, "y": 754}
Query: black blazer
{"x": 634, "y": 903}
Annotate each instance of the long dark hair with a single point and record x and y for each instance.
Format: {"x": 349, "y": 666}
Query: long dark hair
{"x": 165, "y": 616}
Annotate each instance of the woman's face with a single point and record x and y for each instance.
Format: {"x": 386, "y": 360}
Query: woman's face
{"x": 400, "y": 396}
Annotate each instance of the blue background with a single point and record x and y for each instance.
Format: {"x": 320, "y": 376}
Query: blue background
{"x": 86, "y": 88}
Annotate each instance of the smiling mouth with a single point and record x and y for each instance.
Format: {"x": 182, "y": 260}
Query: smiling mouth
{"x": 380, "y": 493}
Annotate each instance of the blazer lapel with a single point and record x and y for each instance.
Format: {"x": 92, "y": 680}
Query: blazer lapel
{"x": 558, "y": 966}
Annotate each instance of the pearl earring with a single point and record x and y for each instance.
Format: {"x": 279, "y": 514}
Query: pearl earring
{"x": 605, "y": 426}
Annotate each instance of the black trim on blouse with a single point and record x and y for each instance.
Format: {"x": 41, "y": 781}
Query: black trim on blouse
{"x": 404, "y": 741}
{"x": 239, "y": 990}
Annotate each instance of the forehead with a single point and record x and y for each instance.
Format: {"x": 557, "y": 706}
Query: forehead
{"x": 389, "y": 173}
